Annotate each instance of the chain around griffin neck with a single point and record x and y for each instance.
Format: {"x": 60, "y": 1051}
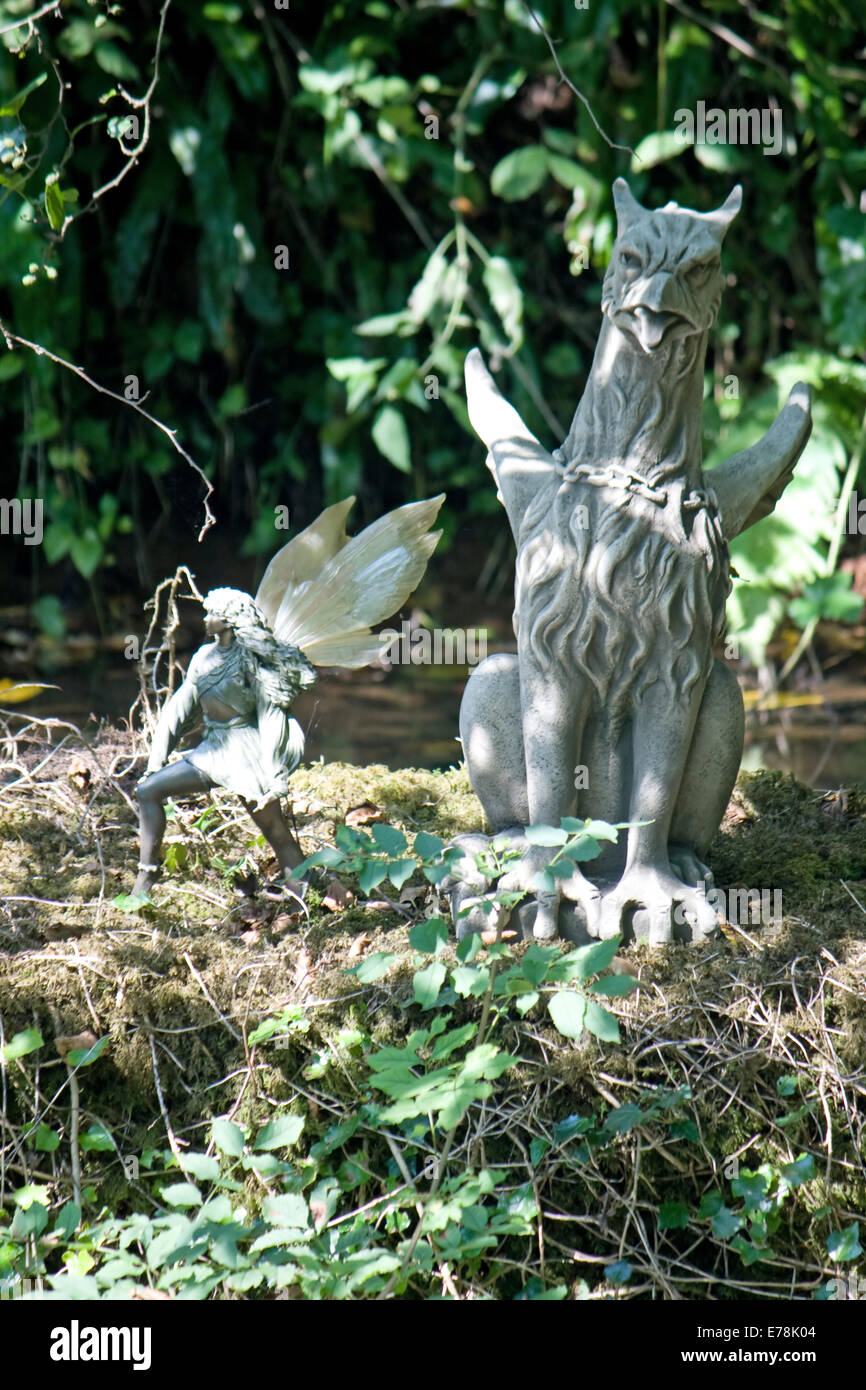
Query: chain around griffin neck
{"x": 626, "y": 480}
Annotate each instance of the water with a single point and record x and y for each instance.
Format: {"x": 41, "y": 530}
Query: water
{"x": 408, "y": 717}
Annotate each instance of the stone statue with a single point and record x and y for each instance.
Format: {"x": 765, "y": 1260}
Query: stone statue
{"x": 614, "y": 706}
{"x": 315, "y": 606}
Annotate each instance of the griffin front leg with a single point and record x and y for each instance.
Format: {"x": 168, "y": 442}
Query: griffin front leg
{"x": 553, "y": 716}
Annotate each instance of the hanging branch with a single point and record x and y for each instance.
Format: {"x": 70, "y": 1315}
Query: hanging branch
{"x": 568, "y": 82}
{"x": 170, "y": 434}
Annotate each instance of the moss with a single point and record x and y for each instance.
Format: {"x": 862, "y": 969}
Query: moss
{"x": 727, "y": 1016}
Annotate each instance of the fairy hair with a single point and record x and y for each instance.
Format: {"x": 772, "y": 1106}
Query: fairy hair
{"x": 280, "y": 667}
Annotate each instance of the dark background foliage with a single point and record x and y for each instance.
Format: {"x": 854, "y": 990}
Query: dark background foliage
{"x": 310, "y": 129}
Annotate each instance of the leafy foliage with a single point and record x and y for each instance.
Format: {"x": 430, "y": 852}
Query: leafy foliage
{"x": 431, "y": 183}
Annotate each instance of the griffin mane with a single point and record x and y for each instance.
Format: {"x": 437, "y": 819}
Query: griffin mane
{"x": 566, "y": 595}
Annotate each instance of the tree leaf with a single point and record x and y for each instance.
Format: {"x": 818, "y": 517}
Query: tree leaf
{"x": 429, "y": 936}
{"x": 228, "y": 1138}
{"x": 520, "y": 174}
{"x": 21, "y": 1044}
{"x": 547, "y": 835}
{"x": 427, "y": 983}
{"x": 373, "y": 967}
{"x": 280, "y": 1133}
{"x": 601, "y": 1023}
{"x": 673, "y": 1216}
{"x": 391, "y": 438}
{"x": 506, "y": 297}
{"x": 182, "y": 1194}
{"x": 391, "y": 840}
{"x": 568, "y": 1009}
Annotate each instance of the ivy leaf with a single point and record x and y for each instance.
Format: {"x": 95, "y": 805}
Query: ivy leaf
{"x": 618, "y": 1273}
{"x": 506, "y": 297}
{"x": 845, "y": 1245}
{"x": 673, "y": 1216}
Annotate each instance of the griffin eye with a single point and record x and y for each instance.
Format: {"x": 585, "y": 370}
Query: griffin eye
{"x": 699, "y": 274}
{"x": 629, "y": 260}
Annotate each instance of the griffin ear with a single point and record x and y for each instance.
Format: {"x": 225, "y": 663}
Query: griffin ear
{"x": 721, "y": 219}
{"x": 628, "y": 209}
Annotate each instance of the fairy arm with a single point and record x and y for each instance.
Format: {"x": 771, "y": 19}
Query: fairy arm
{"x": 176, "y": 714}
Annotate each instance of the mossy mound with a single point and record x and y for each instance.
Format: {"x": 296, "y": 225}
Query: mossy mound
{"x": 765, "y": 1026}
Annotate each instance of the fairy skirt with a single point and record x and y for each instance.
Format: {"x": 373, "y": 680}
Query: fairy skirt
{"x": 233, "y": 756}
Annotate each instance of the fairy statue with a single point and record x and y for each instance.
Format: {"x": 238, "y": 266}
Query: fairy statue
{"x": 316, "y": 605}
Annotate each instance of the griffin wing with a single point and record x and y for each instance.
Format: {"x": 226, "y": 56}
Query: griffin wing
{"x": 518, "y": 462}
{"x": 749, "y": 484}
{"x": 334, "y": 590}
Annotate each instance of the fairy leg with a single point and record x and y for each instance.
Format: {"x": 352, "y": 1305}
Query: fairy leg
{"x": 179, "y": 779}
{"x": 271, "y": 823}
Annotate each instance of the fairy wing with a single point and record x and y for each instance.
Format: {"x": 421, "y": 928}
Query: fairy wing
{"x": 303, "y": 557}
{"x": 335, "y": 589}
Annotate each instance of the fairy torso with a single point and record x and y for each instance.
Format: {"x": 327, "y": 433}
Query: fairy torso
{"x": 219, "y": 682}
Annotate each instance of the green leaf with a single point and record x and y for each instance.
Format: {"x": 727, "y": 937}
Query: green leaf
{"x": 96, "y": 1139}
{"x": 618, "y": 1273}
{"x": 389, "y": 839}
{"x": 280, "y": 1133}
{"x": 429, "y": 936}
{"x": 54, "y": 203}
{"x": 506, "y": 297}
{"x": 614, "y": 985}
{"x": 47, "y": 1140}
{"x": 228, "y": 1138}
{"x": 568, "y": 1009}
{"x": 182, "y": 1194}
{"x": 400, "y": 871}
{"x": 468, "y": 948}
{"x": 592, "y": 959}
{"x": 205, "y": 1167}
{"x": 673, "y": 1216}
{"x": 427, "y": 846}
{"x": 601, "y": 1023}
{"x": 793, "y": 1174}
{"x": 845, "y": 1245}
{"x": 427, "y": 983}
{"x": 656, "y": 148}
{"x": 470, "y": 981}
{"x": 21, "y": 1044}
{"x": 371, "y": 875}
{"x": 289, "y": 1210}
{"x": 520, "y": 174}
{"x": 623, "y": 1119}
{"x": 545, "y": 835}
{"x": 726, "y": 1223}
{"x": 67, "y": 1220}
{"x": 13, "y": 105}
{"x": 391, "y": 437}
{"x": 373, "y": 967}
{"x": 787, "y": 1085}
{"x": 86, "y": 1056}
